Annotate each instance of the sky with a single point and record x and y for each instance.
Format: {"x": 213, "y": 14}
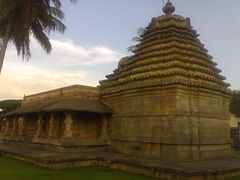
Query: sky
{"x": 99, "y": 33}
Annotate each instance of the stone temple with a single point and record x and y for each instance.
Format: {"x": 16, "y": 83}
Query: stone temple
{"x": 167, "y": 101}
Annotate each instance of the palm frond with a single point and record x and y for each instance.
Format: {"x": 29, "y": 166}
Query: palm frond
{"x": 21, "y": 18}
{"x": 131, "y": 49}
{"x": 23, "y": 46}
{"x": 140, "y": 31}
{"x": 136, "y": 38}
{"x": 41, "y": 37}
{"x": 54, "y": 25}
{"x": 57, "y": 3}
{"x": 73, "y": 1}
{"x": 3, "y": 26}
{"x": 56, "y": 12}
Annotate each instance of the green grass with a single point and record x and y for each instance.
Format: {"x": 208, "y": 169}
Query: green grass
{"x": 236, "y": 152}
{"x": 12, "y": 169}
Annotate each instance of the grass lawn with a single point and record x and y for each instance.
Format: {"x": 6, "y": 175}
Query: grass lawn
{"x": 12, "y": 169}
{"x": 237, "y": 152}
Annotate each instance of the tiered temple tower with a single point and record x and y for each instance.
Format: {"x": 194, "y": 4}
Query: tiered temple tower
{"x": 169, "y": 99}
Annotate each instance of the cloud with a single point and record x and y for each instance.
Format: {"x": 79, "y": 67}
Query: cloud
{"x": 19, "y": 80}
{"x": 68, "y": 64}
{"x": 67, "y": 52}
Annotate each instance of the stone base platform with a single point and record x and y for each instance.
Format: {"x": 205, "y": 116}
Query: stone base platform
{"x": 162, "y": 169}
{"x": 63, "y": 145}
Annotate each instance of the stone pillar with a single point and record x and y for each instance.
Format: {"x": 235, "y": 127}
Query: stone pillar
{"x": 14, "y": 126}
{"x": 51, "y": 126}
{"x": 104, "y": 128}
{"x": 21, "y": 125}
{"x": 68, "y": 126}
{"x": 39, "y": 132}
{"x": 7, "y": 127}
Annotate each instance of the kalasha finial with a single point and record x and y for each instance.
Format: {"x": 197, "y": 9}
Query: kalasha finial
{"x": 168, "y": 8}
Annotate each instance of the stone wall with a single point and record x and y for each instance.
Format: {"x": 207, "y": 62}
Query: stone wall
{"x": 174, "y": 122}
{"x": 75, "y": 92}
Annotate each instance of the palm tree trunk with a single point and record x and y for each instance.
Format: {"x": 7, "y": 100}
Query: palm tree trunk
{"x": 3, "y": 51}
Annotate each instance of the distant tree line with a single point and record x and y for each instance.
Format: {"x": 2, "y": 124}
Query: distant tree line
{"x": 9, "y": 105}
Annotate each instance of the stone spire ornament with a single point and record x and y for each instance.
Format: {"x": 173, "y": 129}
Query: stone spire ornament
{"x": 168, "y": 9}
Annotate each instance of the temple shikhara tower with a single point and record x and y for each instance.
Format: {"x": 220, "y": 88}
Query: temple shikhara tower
{"x": 168, "y": 100}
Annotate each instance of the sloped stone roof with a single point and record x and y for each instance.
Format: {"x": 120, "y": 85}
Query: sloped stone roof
{"x": 80, "y": 105}
{"x": 83, "y": 105}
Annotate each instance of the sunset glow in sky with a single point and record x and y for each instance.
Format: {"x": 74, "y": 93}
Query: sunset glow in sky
{"x": 99, "y": 33}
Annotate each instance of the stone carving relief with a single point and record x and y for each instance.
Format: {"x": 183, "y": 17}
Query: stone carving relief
{"x": 68, "y": 125}
{"x": 21, "y": 124}
{"x": 39, "y": 126}
{"x": 14, "y": 127}
{"x": 51, "y": 126}
{"x": 7, "y": 127}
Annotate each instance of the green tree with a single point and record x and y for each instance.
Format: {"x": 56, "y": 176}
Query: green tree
{"x": 137, "y": 38}
{"x": 235, "y": 103}
{"x": 9, "y": 105}
{"x": 19, "y": 19}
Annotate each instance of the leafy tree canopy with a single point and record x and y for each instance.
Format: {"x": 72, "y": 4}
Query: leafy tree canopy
{"x": 235, "y": 103}
{"x": 9, "y": 105}
{"x": 19, "y": 19}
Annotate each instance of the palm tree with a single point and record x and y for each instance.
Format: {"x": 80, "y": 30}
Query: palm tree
{"x": 19, "y": 19}
{"x": 137, "y": 38}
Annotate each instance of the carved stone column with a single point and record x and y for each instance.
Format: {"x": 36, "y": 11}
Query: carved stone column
{"x": 68, "y": 126}
{"x": 14, "y": 127}
{"x": 104, "y": 128}
{"x": 51, "y": 126}
{"x": 39, "y": 132}
{"x": 21, "y": 125}
{"x": 7, "y": 127}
